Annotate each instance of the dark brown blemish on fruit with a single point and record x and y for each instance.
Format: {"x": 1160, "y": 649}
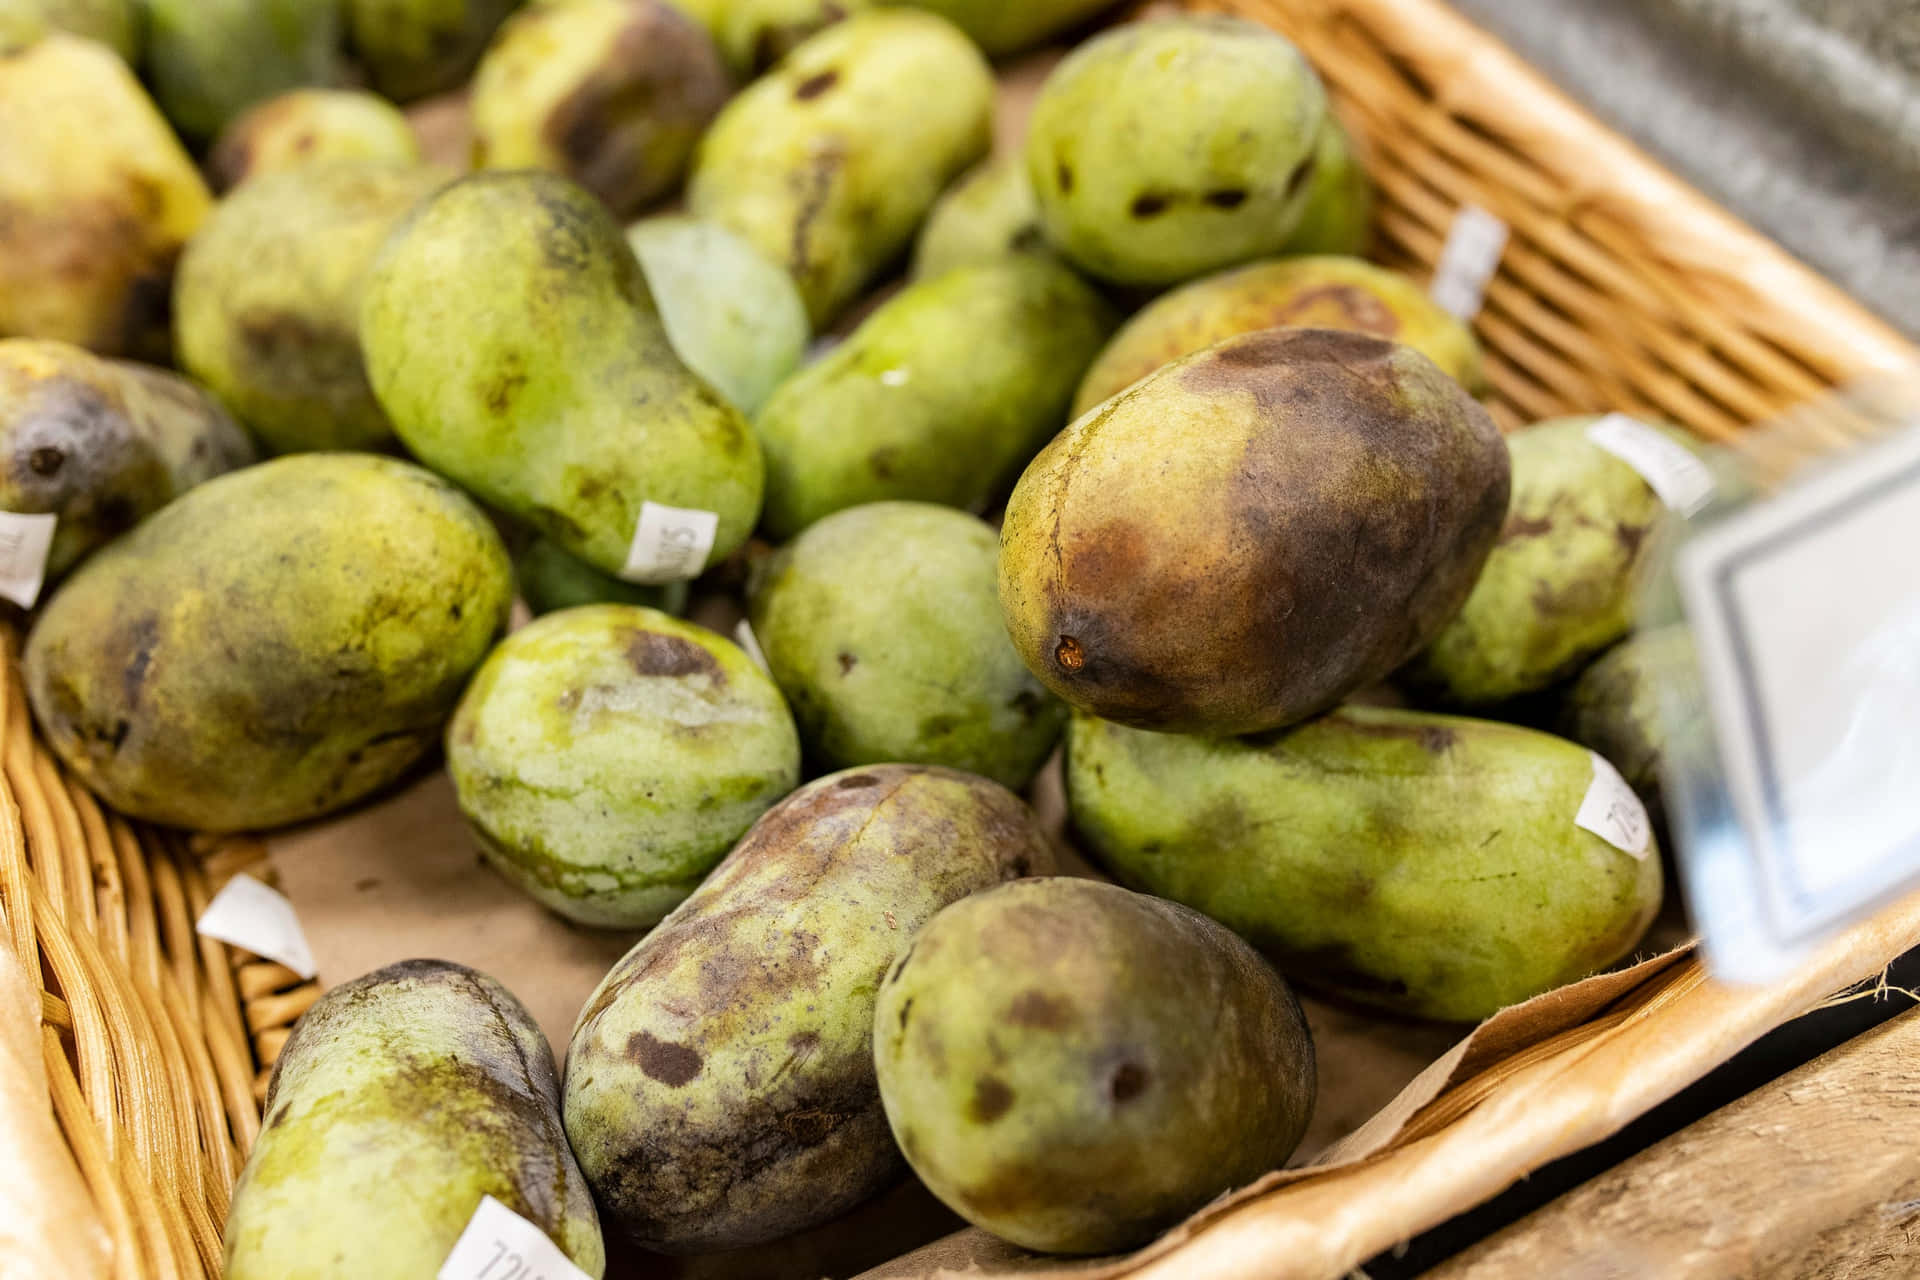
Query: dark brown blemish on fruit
{"x": 1525, "y": 527}
{"x": 1128, "y": 1082}
{"x": 1039, "y": 1010}
{"x": 1063, "y": 176}
{"x": 650, "y": 653}
{"x": 991, "y": 1099}
{"x": 46, "y": 461}
{"x": 847, "y": 662}
{"x": 1069, "y": 654}
{"x": 815, "y": 85}
{"x": 663, "y": 1060}
{"x": 1148, "y": 204}
{"x": 1226, "y": 198}
{"x": 854, "y": 780}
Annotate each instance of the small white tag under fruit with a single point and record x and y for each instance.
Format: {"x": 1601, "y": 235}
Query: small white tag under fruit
{"x": 743, "y": 635}
{"x": 499, "y": 1244}
{"x": 1611, "y": 811}
{"x": 256, "y": 918}
{"x": 670, "y": 544}
{"x": 24, "y": 540}
{"x": 1468, "y": 260}
{"x": 1672, "y": 470}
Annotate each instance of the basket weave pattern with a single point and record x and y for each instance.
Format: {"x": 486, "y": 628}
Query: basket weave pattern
{"x": 1621, "y": 289}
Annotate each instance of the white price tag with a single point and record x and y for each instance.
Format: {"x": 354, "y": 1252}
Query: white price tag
{"x": 1797, "y": 799}
{"x": 1684, "y": 483}
{"x": 256, "y": 918}
{"x": 743, "y": 634}
{"x": 1613, "y": 812}
{"x": 24, "y": 541}
{"x": 1468, "y": 260}
{"x": 499, "y": 1244}
{"x": 670, "y": 544}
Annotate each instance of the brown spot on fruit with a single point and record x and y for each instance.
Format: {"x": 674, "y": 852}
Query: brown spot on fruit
{"x": 1128, "y": 1082}
{"x": 650, "y": 653}
{"x": 1040, "y": 1010}
{"x": 1526, "y": 527}
{"x": 855, "y": 780}
{"x": 1068, "y": 654}
{"x": 1433, "y": 738}
{"x": 663, "y": 1060}
{"x": 815, "y": 85}
{"x": 991, "y": 1099}
{"x": 46, "y": 461}
{"x": 1149, "y": 205}
{"x": 847, "y": 662}
{"x": 1063, "y": 176}
{"x": 1226, "y": 198}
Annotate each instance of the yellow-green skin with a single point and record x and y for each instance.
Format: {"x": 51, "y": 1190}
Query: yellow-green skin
{"x": 1296, "y": 293}
{"x": 941, "y": 395}
{"x": 114, "y": 23}
{"x": 209, "y": 60}
{"x": 988, "y": 214}
{"x": 1000, "y": 27}
{"x": 829, "y": 162}
{"x": 755, "y": 34}
{"x": 97, "y": 196}
{"x": 1338, "y": 218}
{"x": 511, "y": 338}
{"x": 1162, "y": 150}
{"x": 1251, "y": 534}
{"x": 1075, "y": 1067}
{"x": 612, "y": 93}
{"x": 731, "y": 312}
{"x": 267, "y": 300}
{"x": 719, "y": 1090}
{"x": 401, "y": 1099}
{"x": 608, "y": 756}
{"x": 882, "y": 628}
{"x": 272, "y": 645}
{"x": 550, "y": 580}
{"x": 412, "y": 48}
{"x": 101, "y": 443}
{"x": 1560, "y": 586}
{"x": 311, "y": 126}
{"x": 1617, "y": 708}
{"x": 1421, "y": 864}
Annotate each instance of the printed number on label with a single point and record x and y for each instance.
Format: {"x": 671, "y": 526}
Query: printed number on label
{"x": 499, "y": 1244}
{"x": 1613, "y": 812}
{"x": 670, "y": 544}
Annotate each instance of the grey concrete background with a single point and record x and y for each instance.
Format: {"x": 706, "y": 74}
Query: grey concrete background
{"x": 1803, "y": 116}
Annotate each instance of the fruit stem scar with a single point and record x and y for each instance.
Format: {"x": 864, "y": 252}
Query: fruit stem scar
{"x": 1069, "y": 654}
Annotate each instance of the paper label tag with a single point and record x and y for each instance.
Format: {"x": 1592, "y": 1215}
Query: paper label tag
{"x": 1684, "y": 483}
{"x": 1468, "y": 260}
{"x": 499, "y": 1244}
{"x": 670, "y": 544}
{"x": 256, "y": 918}
{"x": 24, "y": 541}
{"x": 743, "y": 635}
{"x": 1795, "y": 799}
{"x": 1613, "y": 812}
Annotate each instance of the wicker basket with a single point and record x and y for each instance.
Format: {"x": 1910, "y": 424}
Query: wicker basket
{"x": 1622, "y": 289}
